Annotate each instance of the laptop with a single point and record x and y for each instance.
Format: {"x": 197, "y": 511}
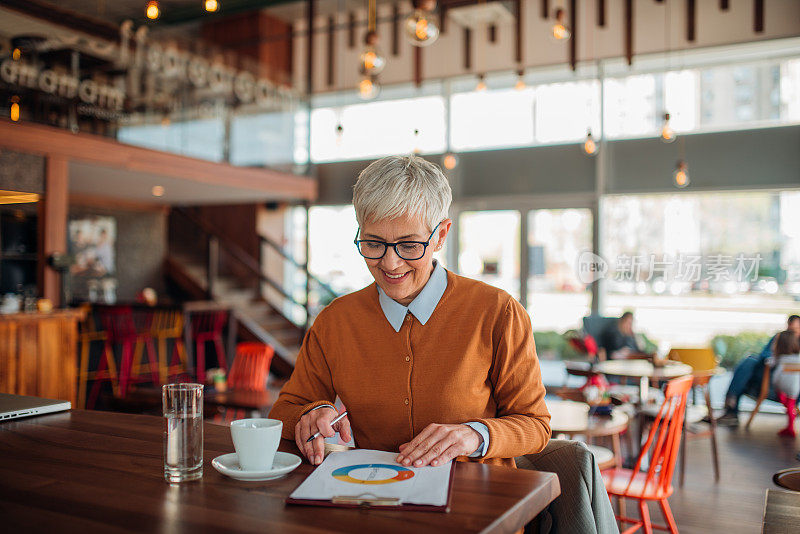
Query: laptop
{"x": 16, "y": 406}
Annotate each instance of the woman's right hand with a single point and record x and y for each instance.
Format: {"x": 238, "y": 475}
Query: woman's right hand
{"x": 319, "y": 420}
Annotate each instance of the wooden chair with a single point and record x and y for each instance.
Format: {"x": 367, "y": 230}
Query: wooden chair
{"x": 88, "y": 333}
{"x": 765, "y": 387}
{"x": 167, "y": 325}
{"x": 662, "y": 444}
{"x": 704, "y": 367}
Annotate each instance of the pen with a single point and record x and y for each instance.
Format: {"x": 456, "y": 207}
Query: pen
{"x": 335, "y": 420}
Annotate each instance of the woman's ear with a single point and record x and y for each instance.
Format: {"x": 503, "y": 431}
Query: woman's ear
{"x": 444, "y": 228}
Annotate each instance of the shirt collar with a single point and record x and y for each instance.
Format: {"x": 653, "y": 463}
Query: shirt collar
{"x": 423, "y": 304}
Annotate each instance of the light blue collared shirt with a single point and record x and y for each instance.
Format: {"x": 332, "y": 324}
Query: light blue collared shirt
{"x": 422, "y": 308}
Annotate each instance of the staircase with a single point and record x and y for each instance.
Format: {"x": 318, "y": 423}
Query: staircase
{"x": 214, "y": 269}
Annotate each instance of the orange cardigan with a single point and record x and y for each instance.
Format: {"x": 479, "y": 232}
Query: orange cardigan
{"x": 474, "y": 360}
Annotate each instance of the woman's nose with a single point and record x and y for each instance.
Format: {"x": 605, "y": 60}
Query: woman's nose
{"x": 391, "y": 260}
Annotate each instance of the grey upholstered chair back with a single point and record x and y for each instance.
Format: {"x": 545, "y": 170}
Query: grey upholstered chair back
{"x": 583, "y": 506}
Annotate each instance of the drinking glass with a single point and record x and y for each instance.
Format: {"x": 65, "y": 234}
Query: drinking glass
{"x": 183, "y": 431}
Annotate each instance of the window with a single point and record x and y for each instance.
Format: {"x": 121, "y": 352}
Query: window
{"x": 492, "y": 119}
{"x": 378, "y": 129}
{"x": 202, "y": 139}
{"x": 694, "y": 265}
{"x": 556, "y": 238}
{"x": 489, "y": 248}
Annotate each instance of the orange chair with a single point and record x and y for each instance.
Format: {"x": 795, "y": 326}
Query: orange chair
{"x": 662, "y": 444}
{"x": 249, "y": 372}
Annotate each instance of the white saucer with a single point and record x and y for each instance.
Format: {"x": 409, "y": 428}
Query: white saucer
{"x": 228, "y": 464}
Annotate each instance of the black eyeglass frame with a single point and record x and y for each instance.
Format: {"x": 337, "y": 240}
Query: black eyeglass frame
{"x": 386, "y": 245}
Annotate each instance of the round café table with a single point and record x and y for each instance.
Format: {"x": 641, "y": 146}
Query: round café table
{"x": 568, "y": 418}
{"x": 645, "y": 371}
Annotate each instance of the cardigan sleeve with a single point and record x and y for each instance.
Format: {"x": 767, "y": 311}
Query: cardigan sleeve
{"x": 522, "y": 423}
{"x": 309, "y": 386}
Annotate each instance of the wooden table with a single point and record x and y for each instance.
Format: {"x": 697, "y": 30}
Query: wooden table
{"x": 591, "y": 426}
{"x": 781, "y": 512}
{"x": 84, "y": 471}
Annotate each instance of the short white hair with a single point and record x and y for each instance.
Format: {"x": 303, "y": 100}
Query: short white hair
{"x": 402, "y": 186}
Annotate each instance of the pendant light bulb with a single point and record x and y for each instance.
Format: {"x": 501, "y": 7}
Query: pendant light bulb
{"x": 368, "y": 88}
{"x": 481, "y": 86}
{"x": 667, "y": 133}
{"x": 681, "y": 177}
{"x": 422, "y": 27}
{"x": 211, "y": 5}
{"x": 372, "y": 61}
{"x": 450, "y": 161}
{"x": 560, "y": 31}
{"x": 589, "y": 144}
{"x": 152, "y": 10}
{"x": 520, "y": 85}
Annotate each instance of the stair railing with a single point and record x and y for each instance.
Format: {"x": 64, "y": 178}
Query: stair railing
{"x": 215, "y": 242}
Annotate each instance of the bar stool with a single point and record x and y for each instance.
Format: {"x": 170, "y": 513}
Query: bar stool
{"x": 106, "y": 371}
{"x": 168, "y": 325}
{"x": 122, "y": 329}
{"x": 208, "y": 326}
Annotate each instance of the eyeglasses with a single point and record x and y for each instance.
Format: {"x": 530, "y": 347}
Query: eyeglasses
{"x": 407, "y": 250}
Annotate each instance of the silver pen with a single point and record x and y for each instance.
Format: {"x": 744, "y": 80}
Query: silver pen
{"x": 335, "y": 420}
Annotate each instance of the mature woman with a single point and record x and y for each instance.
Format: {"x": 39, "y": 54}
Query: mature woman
{"x": 428, "y": 363}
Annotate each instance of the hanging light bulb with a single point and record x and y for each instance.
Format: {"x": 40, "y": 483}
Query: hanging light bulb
{"x": 422, "y": 27}
{"x": 681, "y": 175}
{"x": 481, "y": 83}
{"x": 589, "y": 145}
{"x": 560, "y": 31}
{"x": 449, "y": 161}
{"x": 14, "y": 112}
{"x": 368, "y": 88}
{"x": 667, "y": 133}
{"x": 16, "y": 54}
{"x": 416, "y": 141}
{"x": 152, "y": 10}
{"x": 371, "y": 61}
{"x": 211, "y": 5}
{"x": 520, "y": 85}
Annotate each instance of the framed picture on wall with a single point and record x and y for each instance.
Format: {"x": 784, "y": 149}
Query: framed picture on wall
{"x": 92, "y": 243}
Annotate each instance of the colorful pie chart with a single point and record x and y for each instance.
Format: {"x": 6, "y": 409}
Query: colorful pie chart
{"x": 372, "y": 474}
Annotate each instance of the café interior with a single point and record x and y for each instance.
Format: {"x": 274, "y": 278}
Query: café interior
{"x": 176, "y": 185}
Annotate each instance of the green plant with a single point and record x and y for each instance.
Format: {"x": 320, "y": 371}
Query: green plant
{"x": 552, "y": 345}
{"x": 731, "y": 349}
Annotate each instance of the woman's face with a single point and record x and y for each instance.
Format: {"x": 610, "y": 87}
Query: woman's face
{"x": 400, "y": 279}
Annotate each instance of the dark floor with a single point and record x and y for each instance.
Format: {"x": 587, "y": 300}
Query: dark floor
{"x": 747, "y": 461}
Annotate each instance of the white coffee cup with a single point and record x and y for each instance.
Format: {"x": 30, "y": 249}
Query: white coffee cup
{"x": 256, "y": 441}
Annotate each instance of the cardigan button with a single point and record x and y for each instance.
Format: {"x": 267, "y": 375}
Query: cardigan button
{"x": 406, "y": 401}
{"x": 408, "y": 358}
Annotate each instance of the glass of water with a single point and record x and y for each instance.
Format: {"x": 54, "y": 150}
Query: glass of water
{"x": 183, "y": 431}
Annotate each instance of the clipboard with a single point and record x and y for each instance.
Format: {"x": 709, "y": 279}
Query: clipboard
{"x": 369, "y": 501}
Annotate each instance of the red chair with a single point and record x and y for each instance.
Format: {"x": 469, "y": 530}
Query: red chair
{"x": 208, "y": 326}
{"x": 249, "y": 372}
{"x": 663, "y": 442}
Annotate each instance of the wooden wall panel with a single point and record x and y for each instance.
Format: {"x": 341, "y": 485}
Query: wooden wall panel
{"x": 8, "y": 360}
{"x": 39, "y": 354}
{"x": 27, "y": 359}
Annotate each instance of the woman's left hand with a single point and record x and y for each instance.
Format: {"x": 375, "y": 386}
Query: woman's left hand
{"x": 438, "y": 444}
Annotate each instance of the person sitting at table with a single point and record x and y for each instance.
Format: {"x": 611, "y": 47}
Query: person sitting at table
{"x": 619, "y": 340}
{"x": 747, "y": 377}
{"x": 786, "y": 385}
{"x": 428, "y": 363}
